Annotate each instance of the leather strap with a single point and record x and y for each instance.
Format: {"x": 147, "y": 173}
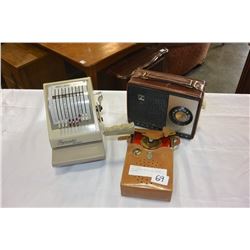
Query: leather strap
{"x": 169, "y": 78}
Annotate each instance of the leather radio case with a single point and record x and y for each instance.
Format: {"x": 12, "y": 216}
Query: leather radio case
{"x": 156, "y": 99}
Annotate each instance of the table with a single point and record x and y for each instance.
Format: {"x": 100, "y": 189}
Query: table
{"x": 212, "y": 170}
{"x": 92, "y": 57}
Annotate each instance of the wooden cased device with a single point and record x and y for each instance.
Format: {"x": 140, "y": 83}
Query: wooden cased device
{"x": 148, "y": 168}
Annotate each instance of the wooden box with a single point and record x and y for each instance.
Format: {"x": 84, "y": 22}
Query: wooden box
{"x": 148, "y": 173}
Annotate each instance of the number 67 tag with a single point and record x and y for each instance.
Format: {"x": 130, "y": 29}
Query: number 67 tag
{"x": 160, "y": 179}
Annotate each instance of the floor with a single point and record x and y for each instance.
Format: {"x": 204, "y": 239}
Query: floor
{"x": 222, "y": 67}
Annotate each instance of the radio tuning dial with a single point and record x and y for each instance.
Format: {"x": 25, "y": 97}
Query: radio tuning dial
{"x": 180, "y": 115}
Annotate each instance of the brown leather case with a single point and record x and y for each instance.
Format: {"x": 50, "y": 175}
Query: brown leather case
{"x": 148, "y": 102}
{"x": 142, "y": 186}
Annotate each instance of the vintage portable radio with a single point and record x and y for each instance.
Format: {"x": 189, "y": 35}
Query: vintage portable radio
{"x": 73, "y": 126}
{"x": 156, "y": 99}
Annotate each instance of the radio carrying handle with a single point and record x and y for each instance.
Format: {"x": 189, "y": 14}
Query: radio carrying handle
{"x": 174, "y": 79}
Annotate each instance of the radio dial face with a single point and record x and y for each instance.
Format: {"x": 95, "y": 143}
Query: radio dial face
{"x": 180, "y": 115}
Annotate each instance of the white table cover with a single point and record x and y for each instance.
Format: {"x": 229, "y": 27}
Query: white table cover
{"x": 212, "y": 170}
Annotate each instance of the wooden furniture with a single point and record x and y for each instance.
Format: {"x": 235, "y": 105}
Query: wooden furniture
{"x": 183, "y": 57}
{"x": 244, "y": 83}
{"x": 27, "y": 66}
{"x": 3, "y": 83}
{"x": 92, "y": 57}
{"x": 117, "y": 75}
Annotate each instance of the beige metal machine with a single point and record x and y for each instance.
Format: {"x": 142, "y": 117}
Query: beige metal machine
{"x": 74, "y": 129}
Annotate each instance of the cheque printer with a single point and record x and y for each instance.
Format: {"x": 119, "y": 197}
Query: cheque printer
{"x": 74, "y": 122}
{"x": 73, "y": 126}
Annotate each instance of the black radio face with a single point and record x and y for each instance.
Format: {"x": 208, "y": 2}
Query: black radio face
{"x": 147, "y": 107}
{"x": 155, "y": 109}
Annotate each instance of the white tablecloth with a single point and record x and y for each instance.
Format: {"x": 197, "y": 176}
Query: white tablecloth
{"x": 212, "y": 170}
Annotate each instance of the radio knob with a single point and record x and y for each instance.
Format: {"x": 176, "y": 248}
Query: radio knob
{"x": 180, "y": 115}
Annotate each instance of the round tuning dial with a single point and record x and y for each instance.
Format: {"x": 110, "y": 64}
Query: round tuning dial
{"x": 180, "y": 115}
